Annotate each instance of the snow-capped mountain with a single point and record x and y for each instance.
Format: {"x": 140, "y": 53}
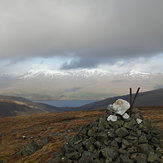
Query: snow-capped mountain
{"x": 137, "y": 74}
{"x": 75, "y": 84}
{"x": 84, "y": 73}
{"x": 52, "y": 73}
{"x": 44, "y": 72}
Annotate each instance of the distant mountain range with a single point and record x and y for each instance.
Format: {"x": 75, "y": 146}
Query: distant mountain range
{"x": 80, "y": 84}
{"x": 12, "y": 106}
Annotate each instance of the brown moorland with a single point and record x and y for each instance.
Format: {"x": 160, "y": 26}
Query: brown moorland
{"x": 17, "y": 131}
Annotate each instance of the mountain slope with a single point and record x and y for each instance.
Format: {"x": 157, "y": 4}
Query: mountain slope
{"x": 150, "y": 98}
{"x": 13, "y": 106}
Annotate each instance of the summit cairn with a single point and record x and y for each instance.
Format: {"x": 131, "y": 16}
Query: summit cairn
{"x": 121, "y": 135}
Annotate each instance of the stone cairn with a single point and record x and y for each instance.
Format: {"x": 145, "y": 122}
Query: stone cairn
{"x": 114, "y": 138}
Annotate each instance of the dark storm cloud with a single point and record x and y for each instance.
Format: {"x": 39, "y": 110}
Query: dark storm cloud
{"x": 93, "y": 31}
{"x": 81, "y": 63}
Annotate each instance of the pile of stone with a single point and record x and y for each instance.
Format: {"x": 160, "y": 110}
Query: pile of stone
{"x": 32, "y": 146}
{"x": 114, "y": 138}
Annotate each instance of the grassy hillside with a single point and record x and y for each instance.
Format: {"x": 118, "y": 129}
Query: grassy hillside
{"x": 51, "y": 130}
{"x": 13, "y": 106}
{"x": 149, "y": 98}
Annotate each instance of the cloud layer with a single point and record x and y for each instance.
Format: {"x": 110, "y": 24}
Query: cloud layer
{"x": 90, "y": 31}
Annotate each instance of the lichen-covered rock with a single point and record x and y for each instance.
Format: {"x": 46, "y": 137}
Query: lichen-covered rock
{"x": 125, "y": 159}
{"x": 143, "y": 139}
{"x": 122, "y": 132}
{"x": 110, "y": 153}
{"x": 139, "y": 157}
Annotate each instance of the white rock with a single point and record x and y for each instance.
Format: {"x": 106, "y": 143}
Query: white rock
{"x": 110, "y": 107}
{"x": 112, "y": 118}
{"x": 138, "y": 120}
{"x": 120, "y": 106}
{"x": 125, "y": 116}
{"x": 24, "y": 137}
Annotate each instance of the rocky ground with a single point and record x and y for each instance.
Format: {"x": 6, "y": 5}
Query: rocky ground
{"x": 37, "y": 138}
{"x": 132, "y": 140}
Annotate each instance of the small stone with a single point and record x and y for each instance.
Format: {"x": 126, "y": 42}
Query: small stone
{"x": 155, "y": 141}
{"x": 90, "y": 132}
{"x": 110, "y": 107}
{"x": 136, "y": 133}
{"x": 106, "y": 142}
{"x": 125, "y": 159}
{"x": 97, "y": 144}
{"x": 109, "y": 152}
{"x": 133, "y": 149}
{"x": 125, "y": 116}
{"x": 152, "y": 157}
{"x": 112, "y": 118}
{"x": 118, "y": 140}
{"x": 131, "y": 137}
{"x": 125, "y": 143}
{"x": 24, "y": 137}
{"x": 87, "y": 144}
{"x": 114, "y": 144}
{"x": 119, "y": 123}
{"x": 121, "y": 132}
{"x": 73, "y": 156}
{"x": 86, "y": 157}
{"x": 130, "y": 124}
{"x": 139, "y": 157}
{"x": 101, "y": 136}
{"x": 143, "y": 139}
{"x": 144, "y": 148}
{"x": 138, "y": 120}
{"x": 77, "y": 142}
{"x": 111, "y": 133}
{"x": 122, "y": 151}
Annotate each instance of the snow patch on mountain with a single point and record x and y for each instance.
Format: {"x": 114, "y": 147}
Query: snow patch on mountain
{"x": 137, "y": 74}
{"x": 45, "y": 72}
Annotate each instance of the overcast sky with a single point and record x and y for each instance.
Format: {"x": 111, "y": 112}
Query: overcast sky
{"x": 71, "y": 34}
